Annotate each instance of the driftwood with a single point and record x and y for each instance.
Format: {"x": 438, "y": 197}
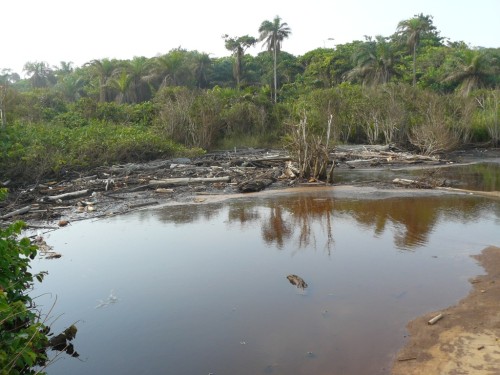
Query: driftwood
{"x": 73, "y": 194}
{"x": 412, "y": 183}
{"x": 187, "y": 181}
{"x": 435, "y": 319}
{"x": 20, "y": 211}
{"x": 377, "y": 155}
{"x": 297, "y": 281}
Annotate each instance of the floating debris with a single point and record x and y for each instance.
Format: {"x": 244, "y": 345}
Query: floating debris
{"x": 112, "y": 299}
{"x": 297, "y": 281}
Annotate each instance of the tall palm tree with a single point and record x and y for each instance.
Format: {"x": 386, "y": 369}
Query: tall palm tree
{"x": 272, "y": 33}
{"x": 411, "y": 31}
{"x": 472, "y": 69}
{"x": 238, "y": 46}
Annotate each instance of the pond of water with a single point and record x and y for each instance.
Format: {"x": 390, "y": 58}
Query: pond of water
{"x": 477, "y": 176}
{"x": 203, "y": 289}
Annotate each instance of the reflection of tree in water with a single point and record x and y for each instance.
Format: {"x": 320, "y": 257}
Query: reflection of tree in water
{"x": 414, "y": 218}
{"x": 275, "y": 229}
{"x": 302, "y": 212}
{"x": 243, "y": 213}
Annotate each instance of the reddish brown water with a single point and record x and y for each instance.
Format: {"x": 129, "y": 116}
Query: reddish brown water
{"x": 202, "y": 289}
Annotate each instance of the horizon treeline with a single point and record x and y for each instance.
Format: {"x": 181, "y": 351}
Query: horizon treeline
{"x": 413, "y": 88}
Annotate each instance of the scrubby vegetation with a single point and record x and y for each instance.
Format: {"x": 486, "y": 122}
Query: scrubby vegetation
{"x": 413, "y": 88}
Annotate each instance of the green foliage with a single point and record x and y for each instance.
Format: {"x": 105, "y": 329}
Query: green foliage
{"x": 65, "y": 118}
{"x": 32, "y": 151}
{"x": 23, "y": 339}
{"x": 486, "y": 118}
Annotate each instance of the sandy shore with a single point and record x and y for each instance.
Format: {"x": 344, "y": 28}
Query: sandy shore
{"x": 466, "y": 340}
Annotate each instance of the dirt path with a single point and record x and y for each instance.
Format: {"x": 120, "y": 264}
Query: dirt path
{"x": 467, "y": 339}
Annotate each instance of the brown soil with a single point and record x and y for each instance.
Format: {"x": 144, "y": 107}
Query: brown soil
{"x": 467, "y": 339}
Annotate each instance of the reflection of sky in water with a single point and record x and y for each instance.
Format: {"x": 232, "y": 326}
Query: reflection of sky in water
{"x": 203, "y": 288}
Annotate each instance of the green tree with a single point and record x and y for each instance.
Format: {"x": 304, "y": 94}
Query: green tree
{"x": 173, "y": 69}
{"x": 201, "y": 65}
{"x": 121, "y": 82}
{"x": 7, "y": 77}
{"x": 39, "y": 74}
{"x": 103, "y": 70}
{"x": 472, "y": 69}
{"x": 375, "y": 61}
{"x": 138, "y": 70}
{"x": 238, "y": 46}
{"x": 64, "y": 69}
{"x": 412, "y": 31}
{"x": 318, "y": 67}
{"x": 272, "y": 33}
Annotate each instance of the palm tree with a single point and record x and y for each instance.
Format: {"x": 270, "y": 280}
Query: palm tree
{"x": 172, "y": 69}
{"x": 411, "y": 31}
{"x": 103, "y": 69}
{"x": 472, "y": 69}
{"x": 138, "y": 69}
{"x": 201, "y": 68}
{"x": 121, "y": 82}
{"x": 272, "y": 33}
{"x": 375, "y": 61}
{"x": 40, "y": 74}
{"x": 238, "y": 46}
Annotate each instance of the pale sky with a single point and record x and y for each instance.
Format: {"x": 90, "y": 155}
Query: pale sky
{"x": 83, "y": 30}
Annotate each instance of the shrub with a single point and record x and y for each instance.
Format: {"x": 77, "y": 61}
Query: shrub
{"x": 23, "y": 336}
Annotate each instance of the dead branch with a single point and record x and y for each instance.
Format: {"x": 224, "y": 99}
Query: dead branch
{"x": 73, "y": 194}
{"x": 20, "y": 211}
{"x": 187, "y": 181}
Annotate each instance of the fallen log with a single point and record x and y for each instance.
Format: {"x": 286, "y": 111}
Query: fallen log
{"x": 187, "y": 180}
{"x": 412, "y": 183}
{"x": 20, "y": 211}
{"x": 73, "y": 194}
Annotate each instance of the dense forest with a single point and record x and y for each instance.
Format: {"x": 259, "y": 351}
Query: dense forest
{"x": 414, "y": 88}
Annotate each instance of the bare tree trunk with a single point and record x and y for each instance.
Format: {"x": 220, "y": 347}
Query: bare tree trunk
{"x": 414, "y": 64}
{"x": 275, "y": 73}
{"x": 3, "y": 94}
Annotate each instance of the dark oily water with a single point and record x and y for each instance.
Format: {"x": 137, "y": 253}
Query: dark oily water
{"x": 478, "y": 176}
{"x": 203, "y": 289}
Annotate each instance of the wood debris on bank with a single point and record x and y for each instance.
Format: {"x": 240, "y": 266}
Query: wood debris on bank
{"x": 106, "y": 190}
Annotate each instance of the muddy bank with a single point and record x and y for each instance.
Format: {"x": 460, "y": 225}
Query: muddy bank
{"x": 112, "y": 190}
{"x": 466, "y": 340}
